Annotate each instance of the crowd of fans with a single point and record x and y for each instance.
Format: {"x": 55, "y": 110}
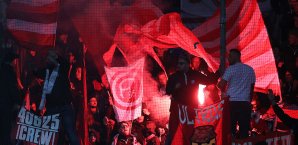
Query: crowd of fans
{"x": 103, "y": 127}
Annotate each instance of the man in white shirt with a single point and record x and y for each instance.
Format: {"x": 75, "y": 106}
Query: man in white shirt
{"x": 239, "y": 80}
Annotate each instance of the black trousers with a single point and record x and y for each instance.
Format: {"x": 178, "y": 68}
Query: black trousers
{"x": 241, "y": 114}
{"x": 5, "y": 124}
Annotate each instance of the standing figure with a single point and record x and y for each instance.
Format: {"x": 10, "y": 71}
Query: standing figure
{"x": 240, "y": 80}
{"x": 56, "y": 94}
{"x": 9, "y": 96}
{"x": 183, "y": 87}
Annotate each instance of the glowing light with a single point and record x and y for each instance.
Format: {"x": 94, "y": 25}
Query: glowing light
{"x": 201, "y": 95}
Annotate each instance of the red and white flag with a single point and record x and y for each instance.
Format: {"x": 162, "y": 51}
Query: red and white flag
{"x": 246, "y": 31}
{"x": 127, "y": 87}
{"x": 33, "y": 23}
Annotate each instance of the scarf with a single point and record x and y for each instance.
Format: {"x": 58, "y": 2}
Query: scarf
{"x": 48, "y": 85}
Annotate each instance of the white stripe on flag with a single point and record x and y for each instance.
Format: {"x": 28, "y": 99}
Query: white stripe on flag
{"x": 15, "y": 24}
{"x": 127, "y": 115}
{"x": 34, "y": 2}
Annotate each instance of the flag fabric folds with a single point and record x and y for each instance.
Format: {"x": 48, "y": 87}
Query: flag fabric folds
{"x": 136, "y": 41}
{"x": 245, "y": 30}
{"x": 33, "y": 23}
{"x": 127, "y": 88}
{"x": 202, "y": 125}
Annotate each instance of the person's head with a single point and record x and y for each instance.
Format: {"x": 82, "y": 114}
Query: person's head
{"x": 195, "y": 63}
{"x": 140, "y": 119}
{"x": 234, "y": 56}
{"x": 288, "y": 76}
{"x": 93, "y": 102}
{"x": 125, "y": 128}
{"x": 104, "y": 80}
{"x": 92, "y": 137}
{"x": 160, "y": 131}
{"x": 183, "y": 63}
{"x": 52, "y": 59}
{"x": 79, "y": 73}
{"x": 150, "y": 127}
{"x": 162, "y": 79}
{"x": 293, "y": 37}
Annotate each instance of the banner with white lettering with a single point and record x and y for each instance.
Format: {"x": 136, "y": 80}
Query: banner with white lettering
{"x": 273, "y": 138}
{"x": 201, "y": 126}
{"x": 34, "y": 129}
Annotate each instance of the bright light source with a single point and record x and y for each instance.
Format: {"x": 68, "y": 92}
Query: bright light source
{"x": 201, "y": 95}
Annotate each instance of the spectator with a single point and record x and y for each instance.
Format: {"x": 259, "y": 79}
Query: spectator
{"x": 138, "y": 127}
{"x": 162, "y": 82}
{"x": 124, "y": 137}
{"x": 94, "y": 122}
{"x": 239, "y": 79}
{"x": 289, "y": 88}
{"x": 9, "y": 96}
{"x": 150, "y": 134}
{"x": 93, "y": 139}
{"x": 161, "y": 134}
{"x": 57, "y": 95}
{"x": 183, "y": 86}
{"x": 289, "y": 51}
{"x": 292, "y": 123}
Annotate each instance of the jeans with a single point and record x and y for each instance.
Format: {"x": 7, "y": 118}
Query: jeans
{"x": 240, "y": 112}
{"x": 67, "y": 118}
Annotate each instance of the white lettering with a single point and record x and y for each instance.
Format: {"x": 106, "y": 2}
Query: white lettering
{"x": 182, "y": 121}
{"x": 22, "y": 115}
{"x": 187, "y": 118}
{"x": 36, "y": 136}
{"x": 30, "y": 134}
{"x": 29, "y": 118}
{"x": 45, "y": 137}
{"x": 37, "y": 121}
{"x": 55, "y": 123}
{"x": 22, "y": 135}
{"x": 46, "y": 120}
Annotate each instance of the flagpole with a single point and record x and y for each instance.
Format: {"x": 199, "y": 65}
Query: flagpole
{"x": 85, "y": 100}
{"x": 222, "y": 36}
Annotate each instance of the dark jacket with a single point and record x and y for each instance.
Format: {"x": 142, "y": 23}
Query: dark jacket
{"x": 287, "y": 120}
{"x": 186, "y": 94}
{"x": 10, "y": 93}
{"x": 61, "y": 93}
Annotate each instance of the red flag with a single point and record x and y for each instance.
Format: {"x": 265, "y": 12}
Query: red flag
{"x": 206, "y": 125}
{"x": 136, "y": 41}
{"x": 127, "y": 87}
{"x": 247, "y": 32}
{"x": 33, "y": 23}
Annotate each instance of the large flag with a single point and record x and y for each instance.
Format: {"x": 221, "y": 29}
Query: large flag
{"x": 127, "y": 88}
{"x": 33, "y": 23}
{"x": 246, "y": 31}
{"x": 136, "y": 41}
{"x": 204, "y": 125}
